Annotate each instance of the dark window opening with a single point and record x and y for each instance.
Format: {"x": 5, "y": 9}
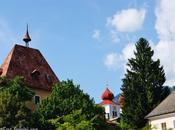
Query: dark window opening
{"x": 37, "y": 99}
{"x": 35, "y": 74}
{"x": 114, "y": 114}
{"x": 163, "y": 125}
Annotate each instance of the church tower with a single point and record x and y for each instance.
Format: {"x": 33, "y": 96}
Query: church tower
{"x": 30, "y": 64}
{"x": 112, "y": 109}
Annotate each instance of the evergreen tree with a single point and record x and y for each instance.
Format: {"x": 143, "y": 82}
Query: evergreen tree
{"x": 142, "y": 86}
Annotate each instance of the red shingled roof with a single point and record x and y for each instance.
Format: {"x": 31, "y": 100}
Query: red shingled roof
{"x": 107, "y": 102}
{"x": 30, "y": 64}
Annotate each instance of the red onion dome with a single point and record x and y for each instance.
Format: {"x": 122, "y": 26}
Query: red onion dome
{"x": 107, "y": 95}
{"x": 120, "y": 99}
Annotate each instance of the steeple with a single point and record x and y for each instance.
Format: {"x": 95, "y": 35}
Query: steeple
{"x": 27, "y": 38}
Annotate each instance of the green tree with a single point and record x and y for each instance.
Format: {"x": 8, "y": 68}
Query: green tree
{"x": 142, "y": 86}
{"x": 16, "y": 86}
{"x": 13, "y": 110}
{"x": 65, "y": 99}
{"x": 75, "y": 121}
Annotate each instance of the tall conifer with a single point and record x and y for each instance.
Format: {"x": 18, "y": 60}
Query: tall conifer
{"x": 142, "y": 86}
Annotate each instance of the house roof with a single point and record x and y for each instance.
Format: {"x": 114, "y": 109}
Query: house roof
{"x": 29, "y": 63}
{"x": 107, "y": 102}
{"x": 165, "y": 107}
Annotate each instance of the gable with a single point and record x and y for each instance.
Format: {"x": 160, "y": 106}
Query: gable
{"x": 30, "y": 64}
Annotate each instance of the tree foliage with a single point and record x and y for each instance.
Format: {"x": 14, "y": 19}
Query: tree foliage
{"x": 13, "y": 111}
{"x": 75, "y": 121}
{"x": 16, "y": 86}
{"x": 142, "y": 86}
{"x": 64, "y": 102}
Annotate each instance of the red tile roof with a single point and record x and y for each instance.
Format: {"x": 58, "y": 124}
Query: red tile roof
{"x": 107, "y": 102}
{"x": 30, "y": 64}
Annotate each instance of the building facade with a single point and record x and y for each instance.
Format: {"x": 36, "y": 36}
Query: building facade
{"x": 163, "y": 116}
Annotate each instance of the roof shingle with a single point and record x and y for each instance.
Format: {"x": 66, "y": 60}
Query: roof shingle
{"x": 30, "y": 64}
{"x": 165, "y": 107}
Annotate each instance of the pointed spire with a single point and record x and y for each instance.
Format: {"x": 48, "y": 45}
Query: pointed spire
{"x": 27, "y": 38}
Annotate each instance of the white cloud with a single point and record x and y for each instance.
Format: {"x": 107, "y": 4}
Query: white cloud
{"x": 129, "y": 20}
{"x": 113, "y": 61}
{"x": 128, "y": 51}
{"x": 96, "y": 34}
{"x": 165, "y": 27}
{"x": 165, "y": 19}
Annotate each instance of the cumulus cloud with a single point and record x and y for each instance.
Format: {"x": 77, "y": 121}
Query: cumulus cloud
{"x": 96, "y": 34}
{"x": 129, "y": 20}
{"x": 165, "y": 19}
{"x": 165, "y": 27}
{"x": 128, "y": 51}
{"x": 165, "y": 48}
{"x": 165, "y": 51}
{"x": 113, "y": 61}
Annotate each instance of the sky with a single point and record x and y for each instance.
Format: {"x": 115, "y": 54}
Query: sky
{"x": 90, "y": 41}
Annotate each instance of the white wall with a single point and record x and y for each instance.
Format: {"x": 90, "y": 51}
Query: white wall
{"x": 110, "y": 108}
{"x": 169, "y": 119}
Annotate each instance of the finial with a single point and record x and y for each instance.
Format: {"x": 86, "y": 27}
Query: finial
{"x": 107, "y": 85}
{"x": 27, "y": 38}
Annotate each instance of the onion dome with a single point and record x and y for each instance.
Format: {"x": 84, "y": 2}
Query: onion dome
{"x": 107, "y": 95}
{"x": 26, "y": 37}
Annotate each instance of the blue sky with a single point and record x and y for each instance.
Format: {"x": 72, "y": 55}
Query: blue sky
{"x": 90, "y": 41}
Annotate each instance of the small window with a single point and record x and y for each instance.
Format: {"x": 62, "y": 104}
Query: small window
{"x": 114, "y": 114}
{"x": 174, "y": 123}
{"x": 37, "y": 99}
{"x": 163, "y": 125}
{"x": 35, "y": 74}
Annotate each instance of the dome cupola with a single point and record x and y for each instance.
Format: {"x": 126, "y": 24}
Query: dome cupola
{"x": 107, "y": 95}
